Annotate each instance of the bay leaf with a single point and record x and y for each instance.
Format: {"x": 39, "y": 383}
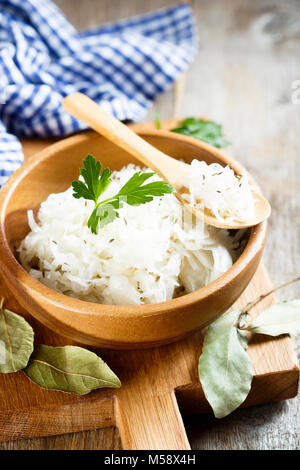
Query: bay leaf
{"x": 70, "y": 369}
{"x": 242, "y": 338}
{"x": 281, "y": 318}
{"x": 225, "y": 369}
{"x": 16, "y": 341}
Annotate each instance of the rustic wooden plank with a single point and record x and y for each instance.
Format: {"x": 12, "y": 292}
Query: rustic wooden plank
{"x": 49, "y": 419}
{"x": 147, "y": 413}
{"x": 98, "y": 439}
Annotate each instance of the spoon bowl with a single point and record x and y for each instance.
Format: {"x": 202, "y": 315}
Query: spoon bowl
{"x": 168, "y": 168}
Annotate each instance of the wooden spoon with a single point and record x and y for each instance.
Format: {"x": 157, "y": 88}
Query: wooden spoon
{"x": 170, "y": 169}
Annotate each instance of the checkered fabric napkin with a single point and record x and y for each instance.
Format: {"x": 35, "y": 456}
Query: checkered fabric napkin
{"x": 122, "y": 66}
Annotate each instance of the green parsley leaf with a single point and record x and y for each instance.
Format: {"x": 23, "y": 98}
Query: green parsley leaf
{"x": 93, "y": 221}
{"x": 106, "y": 214}
{"x": 95, "y": 183}
{"x": 134, "y": 182}
{"x": 207, "y": 131}
{"x": 134, "y": 192}
{"x": 80, "y": 190}
{"x": 102, "y": 215}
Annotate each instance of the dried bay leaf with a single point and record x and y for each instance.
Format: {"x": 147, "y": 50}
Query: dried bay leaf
{"x": 279, "y": 319}
{"x": 225, "y": 369}
{"x": 16, "y": 341}
{"x": 69, "y": 369}
{"x": 243, "y": 338}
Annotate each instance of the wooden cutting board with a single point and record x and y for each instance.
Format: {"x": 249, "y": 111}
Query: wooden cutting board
{"x": 157, "y": 384}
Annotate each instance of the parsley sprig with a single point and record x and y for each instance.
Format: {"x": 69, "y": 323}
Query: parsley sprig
{"x": 134, "y": 192}
{"x": 208, "y": 131}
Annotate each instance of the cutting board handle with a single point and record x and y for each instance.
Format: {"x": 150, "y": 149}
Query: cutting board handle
{"x": 151, "y": 422}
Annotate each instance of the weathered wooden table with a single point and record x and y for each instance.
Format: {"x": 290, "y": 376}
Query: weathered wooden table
{"x": 243, "y": 78}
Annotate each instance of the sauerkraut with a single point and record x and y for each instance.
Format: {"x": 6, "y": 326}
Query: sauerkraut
{"x": 227, "y": 196}
{"x": 150, "y": 254}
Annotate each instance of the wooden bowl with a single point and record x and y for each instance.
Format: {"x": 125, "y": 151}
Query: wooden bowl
{"x": 118, "y": 327}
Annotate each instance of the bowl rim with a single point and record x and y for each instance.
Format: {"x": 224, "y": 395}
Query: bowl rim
{"x": 15, "y": 271}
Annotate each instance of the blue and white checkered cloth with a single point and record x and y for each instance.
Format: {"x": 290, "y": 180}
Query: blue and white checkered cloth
{"x": 122, "y": 66}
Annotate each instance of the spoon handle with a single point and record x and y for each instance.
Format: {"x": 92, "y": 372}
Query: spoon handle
{"x": 83, "y": 108}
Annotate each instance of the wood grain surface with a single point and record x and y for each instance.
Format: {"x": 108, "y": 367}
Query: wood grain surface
{"x": 158, "y": 386}
{"x": 242, "y": 77}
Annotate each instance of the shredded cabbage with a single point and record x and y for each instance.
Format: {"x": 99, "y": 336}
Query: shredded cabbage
{"x": 216, "y": 188}
{"x": 151, "y": 253}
